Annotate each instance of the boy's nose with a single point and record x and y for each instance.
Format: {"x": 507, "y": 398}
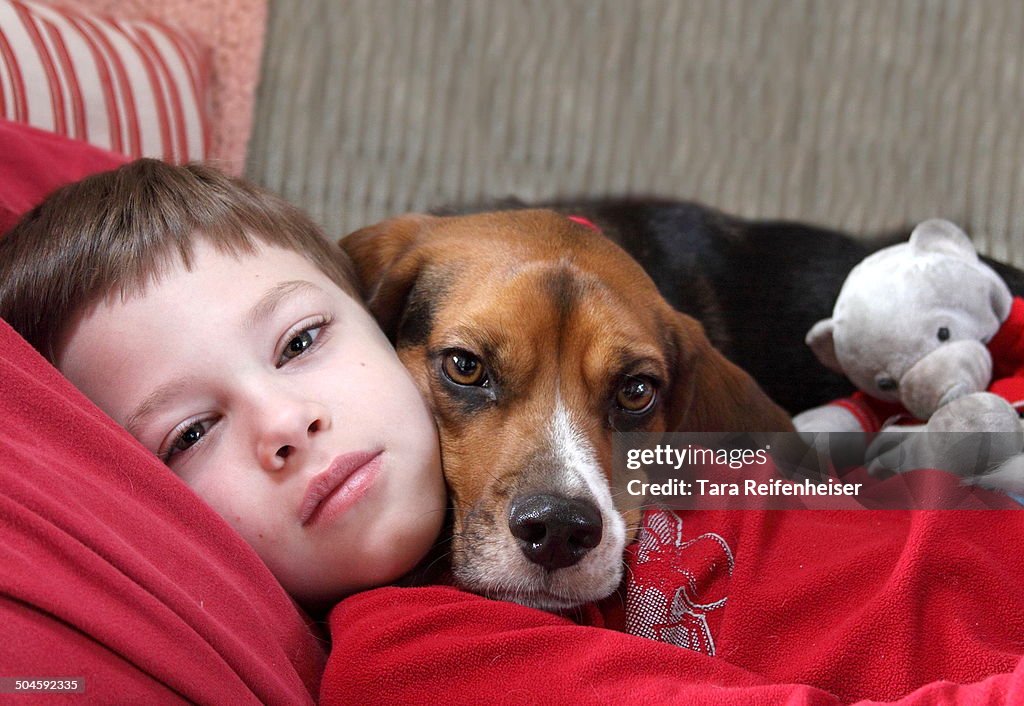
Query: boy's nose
{"x": 287, "y": 431}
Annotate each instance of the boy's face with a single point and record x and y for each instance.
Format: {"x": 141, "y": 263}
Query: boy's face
{"x": 275, "y": 397}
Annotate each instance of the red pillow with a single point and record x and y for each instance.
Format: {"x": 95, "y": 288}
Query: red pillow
{"x": 35, "y": 163}
{"x": 113, "y": 571}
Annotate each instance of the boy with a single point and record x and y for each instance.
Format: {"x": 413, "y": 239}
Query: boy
{"x": 219, "y": 326}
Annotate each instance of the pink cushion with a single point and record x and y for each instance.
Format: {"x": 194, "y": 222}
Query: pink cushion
{"x": 234, "y": 31}
{"x": 112, "y": 570}
{"x": 35, "y": 163}
{"x": 138, "y": 88}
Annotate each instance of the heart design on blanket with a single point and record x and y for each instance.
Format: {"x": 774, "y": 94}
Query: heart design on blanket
{"x": 678, "y": 586}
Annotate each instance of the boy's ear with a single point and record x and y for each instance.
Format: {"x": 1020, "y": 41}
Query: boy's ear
{"x": 387, "y": 261}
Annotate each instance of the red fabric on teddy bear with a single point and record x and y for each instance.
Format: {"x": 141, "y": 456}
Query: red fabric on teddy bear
{"x": 1007, "y": 349}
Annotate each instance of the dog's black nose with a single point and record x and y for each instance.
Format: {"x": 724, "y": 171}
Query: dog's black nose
{"x": 552, "y": 531}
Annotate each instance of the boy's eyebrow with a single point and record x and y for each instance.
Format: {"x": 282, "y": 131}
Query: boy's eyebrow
{"x": 273, "y": 297}
{"x": 153, "y": 401}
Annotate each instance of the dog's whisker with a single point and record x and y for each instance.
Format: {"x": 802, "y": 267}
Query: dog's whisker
{"x": 445, "y": 540}
{"x": 436, "y": 561}
{"x": 429, "y": 513}
{"x": 627, "y": 570}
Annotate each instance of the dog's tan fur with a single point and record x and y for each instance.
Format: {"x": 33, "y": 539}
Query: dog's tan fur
{"x": 560, "y": 316}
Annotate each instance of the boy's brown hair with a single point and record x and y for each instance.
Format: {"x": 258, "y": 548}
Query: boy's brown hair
{"x": 116, "y": 232}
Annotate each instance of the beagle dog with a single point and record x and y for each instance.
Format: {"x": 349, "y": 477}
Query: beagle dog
{"x": 534, "y": 338}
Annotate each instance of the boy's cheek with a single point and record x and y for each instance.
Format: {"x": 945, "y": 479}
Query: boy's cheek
{"x": 233, "y": 502}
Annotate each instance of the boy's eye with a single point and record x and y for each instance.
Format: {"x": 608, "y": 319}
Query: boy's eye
{"x": 187, "y": 437}
{"x": 298, "y": 344}
{"x": 301, "y": 341}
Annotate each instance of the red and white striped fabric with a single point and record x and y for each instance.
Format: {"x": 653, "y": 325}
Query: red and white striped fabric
{"x": 138, "y": 88}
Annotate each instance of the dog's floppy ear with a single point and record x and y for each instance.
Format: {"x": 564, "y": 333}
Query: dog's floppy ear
{"x": 387, "y": 262}
{"x": 711, "y": 393}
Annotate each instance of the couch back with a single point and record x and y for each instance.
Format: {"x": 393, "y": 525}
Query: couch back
{"x": 865, "y": 116}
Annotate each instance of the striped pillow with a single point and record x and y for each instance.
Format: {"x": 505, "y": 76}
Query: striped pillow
{"x": 138, "y": 88}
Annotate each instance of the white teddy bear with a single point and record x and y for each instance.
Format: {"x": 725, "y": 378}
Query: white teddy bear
{"x": 928, "y": 333}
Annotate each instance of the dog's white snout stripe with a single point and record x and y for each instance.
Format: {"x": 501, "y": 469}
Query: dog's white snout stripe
{"x": 574, "y": 454}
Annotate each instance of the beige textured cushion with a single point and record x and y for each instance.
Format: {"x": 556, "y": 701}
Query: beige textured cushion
{"x": 862, "y": 115}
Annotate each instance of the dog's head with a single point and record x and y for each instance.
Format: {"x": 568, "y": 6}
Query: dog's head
{"x": 534, "y": 338}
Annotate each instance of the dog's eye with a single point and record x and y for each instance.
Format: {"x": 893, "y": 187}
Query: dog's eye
{"x": 464, "y": 368}
{"x": 943, "y": 334}
{"x": 636, "y": 395}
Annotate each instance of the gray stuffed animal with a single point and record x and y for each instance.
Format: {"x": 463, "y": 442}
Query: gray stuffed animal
{"x": 914, "y": 328}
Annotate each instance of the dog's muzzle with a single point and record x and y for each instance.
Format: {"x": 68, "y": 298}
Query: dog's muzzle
{"x": 554, "y": 532}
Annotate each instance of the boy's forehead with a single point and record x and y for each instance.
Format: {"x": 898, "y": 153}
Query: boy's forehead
{"x": 216, "y": 267}
{"x": 216, "y": 284}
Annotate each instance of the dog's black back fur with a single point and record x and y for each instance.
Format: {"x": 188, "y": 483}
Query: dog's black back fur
{"x": 757, "y": 286}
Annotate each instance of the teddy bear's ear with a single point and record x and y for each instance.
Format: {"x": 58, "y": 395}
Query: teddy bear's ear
{"x": 821, "y": 339}
{"x": 999, "y": 294}
{"x": 941, "y": 236}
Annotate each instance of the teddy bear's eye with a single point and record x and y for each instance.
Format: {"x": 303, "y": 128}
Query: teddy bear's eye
{"x": 887, "y": 384}
{"x": 943, "y": 334}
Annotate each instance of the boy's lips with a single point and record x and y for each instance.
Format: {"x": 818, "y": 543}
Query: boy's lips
{"x": 346, "y": 478}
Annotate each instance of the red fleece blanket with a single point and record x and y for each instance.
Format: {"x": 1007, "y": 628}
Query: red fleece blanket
{"x": 796, "y": 606}
{"x": 113, "y": 571}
